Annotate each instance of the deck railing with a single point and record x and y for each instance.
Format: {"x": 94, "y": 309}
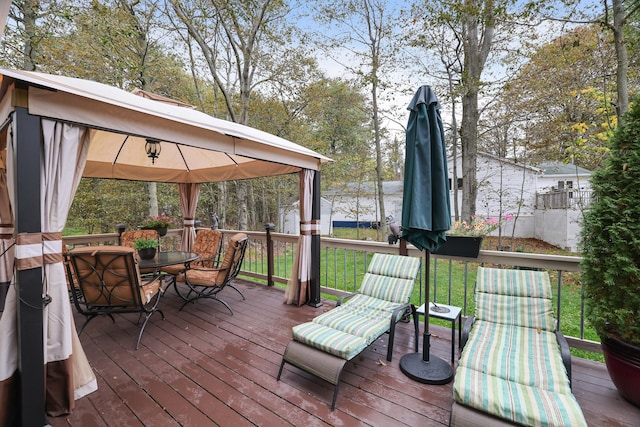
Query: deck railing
{"x": 343, "y": 264}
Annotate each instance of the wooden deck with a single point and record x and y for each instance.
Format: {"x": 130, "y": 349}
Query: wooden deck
{"x": 205, "y": 367}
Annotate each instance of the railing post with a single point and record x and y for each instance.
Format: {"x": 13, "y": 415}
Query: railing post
{"x": 120, "y": 229}
{"x": 403, "y": 247}
{"x": 269, "y": 228}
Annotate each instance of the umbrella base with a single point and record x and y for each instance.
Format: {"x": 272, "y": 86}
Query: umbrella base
{"x": 435, "y": 371}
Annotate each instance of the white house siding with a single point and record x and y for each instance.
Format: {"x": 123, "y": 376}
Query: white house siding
{"x": 560, "y": 227}
{"x": 502, "y": 186}
{"x": 290, "y": 218}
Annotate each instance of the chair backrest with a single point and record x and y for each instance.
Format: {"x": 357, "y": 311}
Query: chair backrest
{"x": 232, "y": 261}
{"x": 515, "y": 297}
{"x": 208, "y": 245}
{"x": 106, "y": 276}
{"x": 128, "y": 237}
{"x": 390, "y": 277}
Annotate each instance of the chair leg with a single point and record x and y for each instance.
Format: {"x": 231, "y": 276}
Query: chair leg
{"x": 89, "y": 319}
{"x": 335, "y": 397}
{"x": 416, "y": 328}
{"x": 392, "y": 333}
{"x": 213, "y": 297}
{"x": 146, "y": 319}
{"x": 237, "y": 290}
{"x": 281, "y": 368}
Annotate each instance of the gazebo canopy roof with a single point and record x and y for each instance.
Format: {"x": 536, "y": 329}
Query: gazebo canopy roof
{"x": 195, "y": 147}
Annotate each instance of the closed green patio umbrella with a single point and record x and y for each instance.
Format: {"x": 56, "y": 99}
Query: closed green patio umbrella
{"x": 426, "y": 214}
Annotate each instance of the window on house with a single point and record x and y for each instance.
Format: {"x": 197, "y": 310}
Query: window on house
{"x": 458, "y": 182}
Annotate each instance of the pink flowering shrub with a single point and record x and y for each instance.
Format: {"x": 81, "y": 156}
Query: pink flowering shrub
{"x": 478, "y": 226}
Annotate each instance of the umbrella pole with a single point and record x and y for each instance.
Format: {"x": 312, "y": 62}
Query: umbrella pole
{"x": 423, "y": 367}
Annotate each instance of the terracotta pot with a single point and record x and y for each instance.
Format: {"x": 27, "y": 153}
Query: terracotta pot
{"x": 623, "y": 364}
{"x": 147, "y": 253}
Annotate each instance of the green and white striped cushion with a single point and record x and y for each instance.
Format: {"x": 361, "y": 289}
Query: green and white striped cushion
{"x": 517, "y": 311}
{"x": 390, "y": 277}
{"x": 523, "y": 355}
{"x": 368, "y": 324}
{"x": 515, "y": 297}
{"x": 329, "y": 340}
{"x": 518, "y": 403}
{"x": 523, "y": 283}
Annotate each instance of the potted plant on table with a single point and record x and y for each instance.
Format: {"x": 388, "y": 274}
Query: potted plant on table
{"x": 611, "y": 256}
{"x": 146, "y": 247}
{"x": 160, "y": 223}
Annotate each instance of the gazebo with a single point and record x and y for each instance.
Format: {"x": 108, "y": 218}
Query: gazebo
{"x": 53, "y": 131}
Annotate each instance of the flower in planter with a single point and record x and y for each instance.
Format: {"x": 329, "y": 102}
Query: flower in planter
{"x": 478, "y": 226}
{"x": 145, "y": 243}
{"x": 158, "y": 221}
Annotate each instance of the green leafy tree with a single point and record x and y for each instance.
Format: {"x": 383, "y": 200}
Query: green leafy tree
{"x": 569, "y": 120}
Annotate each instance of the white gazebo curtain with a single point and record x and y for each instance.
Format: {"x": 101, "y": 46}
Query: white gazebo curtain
{"x": 68, "y": 373}
{"x": 298, "y": 286}
{"x": 6, "y": 237}
{"x": 189, "y": 193}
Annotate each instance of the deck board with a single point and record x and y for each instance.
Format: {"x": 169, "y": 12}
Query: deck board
{"x": 203, "y": 366}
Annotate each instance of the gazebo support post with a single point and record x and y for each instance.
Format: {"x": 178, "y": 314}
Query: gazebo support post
{"x": 31, "y": 382}
{"x": 314, "y": 295}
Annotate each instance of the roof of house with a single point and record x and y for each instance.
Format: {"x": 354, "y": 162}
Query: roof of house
{"x": 534, "y": 169}
{"x": 557, "y": 168}
{"x": 367, "y": 188}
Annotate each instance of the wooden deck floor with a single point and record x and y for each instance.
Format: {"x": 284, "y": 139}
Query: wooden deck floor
{"x": 204, "y": 367}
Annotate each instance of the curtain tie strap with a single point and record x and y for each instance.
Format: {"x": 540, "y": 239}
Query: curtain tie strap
{"x": 309, "y": 227}
{"x": 188, "y": 222}
{"x": 6, "y": 231}
{"x": 34, "y": 250}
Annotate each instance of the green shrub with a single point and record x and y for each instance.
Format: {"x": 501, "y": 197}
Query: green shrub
{"x": 611, "y": 237}
{"x": 145, "y": 243}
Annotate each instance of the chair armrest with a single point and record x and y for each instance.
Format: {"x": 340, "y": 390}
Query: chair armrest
{"x": 344, "y": 297}
{"x": 465, "y": 331}
{"x": 205, "y": 262}
{"x": 565, "y": 353}
{"x": 398, "y": 310}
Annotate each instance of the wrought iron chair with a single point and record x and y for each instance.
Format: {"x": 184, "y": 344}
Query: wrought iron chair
{"x": 208, "y": 245}
{"x": 207, "y": 282}
{"x": 107, "y": 281}
{"x": 128, "y": 237}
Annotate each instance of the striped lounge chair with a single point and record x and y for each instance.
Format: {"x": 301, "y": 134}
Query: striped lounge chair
{"x": 324, "y": 345}
{"x": 515, "y": 368}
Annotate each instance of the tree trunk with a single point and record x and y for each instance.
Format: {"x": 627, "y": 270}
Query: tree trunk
{"x": 382, "y": 229}
{"x": 454, "y": 149}
{"x": 241, "y": 194}
{"x": 30, "y": 13}
{"x": 622, "y": 58}
{"x": 222, "y": 204}
{"x": 153, "y": 198}
{"x": 469, "y": 139}
{"x": 476, "y": 50}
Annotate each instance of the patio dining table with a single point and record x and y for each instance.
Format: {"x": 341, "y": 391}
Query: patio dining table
{"x": 165, "y": 258}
